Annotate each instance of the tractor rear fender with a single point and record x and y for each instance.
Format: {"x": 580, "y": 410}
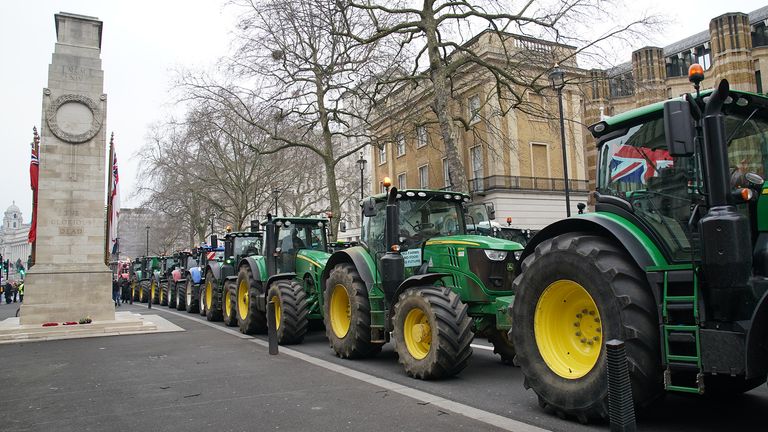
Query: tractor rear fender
{"x": 356, "y": 256}
{"x": 255, "y": 271}
{"x": 757, "y": 341}
{"x": 215, "y": 269}
{"x": 418, "y": 280}
{"x": 640, "y": 248}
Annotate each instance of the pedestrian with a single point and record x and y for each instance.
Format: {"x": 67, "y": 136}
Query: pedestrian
{"x": 116, "y": 292}
{"x": 21, "y": 292}
{"x": 126, "y": 288}
{"x": 15, "y": 293}
{"x": 8, "y": 292}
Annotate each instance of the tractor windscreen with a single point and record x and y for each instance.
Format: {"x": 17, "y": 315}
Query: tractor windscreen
{"x": 247, "y": 246}
{"x": 421, "y": 220}
{"x": 662, "y": 189}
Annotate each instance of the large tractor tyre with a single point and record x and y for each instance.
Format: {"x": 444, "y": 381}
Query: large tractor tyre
{"x": 155, "y": 292}
{"x": 212, "y": 299}
{"x": 502, "y": 345}
{"x": 432, "y": 332}
{"x": 134, "y": 289}
{"x": 167, "y": 299}
{"x": 249, "y": 318}
{"x": 575, "y": 292}
{"x": 347, "y": 314}
{"x": 180, "y": 295}
{"x": 290, "y": 302}
{"x": 144, "y": 291}
{"x": 201, "y": 299}
{"x": 191, "y": 302}
{"x": 228, "y": 308}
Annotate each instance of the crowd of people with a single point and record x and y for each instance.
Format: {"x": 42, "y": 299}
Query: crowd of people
{"x": 12, "y": 291}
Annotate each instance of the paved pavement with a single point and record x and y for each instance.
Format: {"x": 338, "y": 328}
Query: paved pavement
{"x": 212, "y": 377}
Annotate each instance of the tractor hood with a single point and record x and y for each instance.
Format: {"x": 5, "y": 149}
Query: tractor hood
{"x": 316, "y": 258}
{"x": 476, "y": 242}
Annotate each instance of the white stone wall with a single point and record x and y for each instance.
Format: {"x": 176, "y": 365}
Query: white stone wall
{"x": 531, "y": 209}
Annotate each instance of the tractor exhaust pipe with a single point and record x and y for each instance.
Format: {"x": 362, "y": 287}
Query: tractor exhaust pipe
{"x": 726, "y": 255}
{"x": 392, "y": 263}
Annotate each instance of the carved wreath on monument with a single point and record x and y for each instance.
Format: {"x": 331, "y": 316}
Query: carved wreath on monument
{"x": 74, "y": 118}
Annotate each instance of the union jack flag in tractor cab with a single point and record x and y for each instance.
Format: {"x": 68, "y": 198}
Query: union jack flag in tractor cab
{"x": 630, "y": 164}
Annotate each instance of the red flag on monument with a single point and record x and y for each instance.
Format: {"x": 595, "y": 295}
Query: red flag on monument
{"x": 34, "y": 173}
{"x": 114, "y": 200}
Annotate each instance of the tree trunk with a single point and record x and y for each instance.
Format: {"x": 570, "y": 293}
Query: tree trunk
{"x": 442, "y": 96}
{"x": 328, "y": 157}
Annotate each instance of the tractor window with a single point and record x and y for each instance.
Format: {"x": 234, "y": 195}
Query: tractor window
{"x": 747, "y": 149}
{"x": 373, "y": 229}
{"x": 421, "y": 220}
{"x": 317, "y": 239}
{"x": 247, "y": 246}
{"x": 637, "y": 168}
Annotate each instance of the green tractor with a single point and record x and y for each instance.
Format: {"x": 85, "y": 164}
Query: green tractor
{"x": 159, "y": 285}
{"x": 149, "y": 266}
{"x": 217, "y": 299}
{"x": 286, "y": 277}
{"x": 136, "y": 271}
{"x": 418, "y": 276}
{"x": 673, "y": 261}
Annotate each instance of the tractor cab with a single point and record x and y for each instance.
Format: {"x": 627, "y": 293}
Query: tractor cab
{"x": 286, "y": 236}
{"x": 238, "y": 245}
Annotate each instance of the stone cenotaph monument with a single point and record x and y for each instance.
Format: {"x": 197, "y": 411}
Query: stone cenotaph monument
{"x": 69, "y": 279}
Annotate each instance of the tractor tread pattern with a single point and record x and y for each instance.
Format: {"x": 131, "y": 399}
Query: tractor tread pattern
{"x": 293, "y": 311}
{"x": 359, "y": 345}
{"x": 255, "y": 321}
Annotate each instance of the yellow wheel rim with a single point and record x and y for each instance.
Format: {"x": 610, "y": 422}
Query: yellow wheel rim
{"x": 568, "y": 329}
{"x": 152, "y": 291}
{"x": 417, "y": 333}
{"x": 276, "y": 301}
{"x": 208, "y": 294}
{"x": 227, "y": 303}
{"x": 340, "y": 311}
{"x": 242, "y": 299}
{"x": 141, "y": 295}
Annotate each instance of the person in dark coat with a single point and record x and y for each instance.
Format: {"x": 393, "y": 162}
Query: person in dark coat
{"x": 116, "y": 292}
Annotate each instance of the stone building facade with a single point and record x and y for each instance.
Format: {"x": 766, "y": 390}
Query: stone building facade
{"x": 734, "y": 47}
{"x": 512, "y": 157}
{"x": 14, "y": 244}
{"x": 164, "y": 237}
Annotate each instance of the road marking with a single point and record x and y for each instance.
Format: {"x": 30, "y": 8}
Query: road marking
{"x": 486, "y": 417}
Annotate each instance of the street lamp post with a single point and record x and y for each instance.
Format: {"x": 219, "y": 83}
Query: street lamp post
{"x": 276, "y": 195}
{"x": 557, "y": 77}
{"x": 361, "y": 162}
{"x": 147, "y": 241}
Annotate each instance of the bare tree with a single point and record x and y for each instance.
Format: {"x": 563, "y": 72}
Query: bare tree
{"x": 441, "y": 35}
{"x": 290, "y": 76}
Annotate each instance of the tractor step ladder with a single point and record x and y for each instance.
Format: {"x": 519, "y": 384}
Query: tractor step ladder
{"x": 680, "y": 329}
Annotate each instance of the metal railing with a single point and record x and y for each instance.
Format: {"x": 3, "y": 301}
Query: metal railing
{"x": 487, "y": 184}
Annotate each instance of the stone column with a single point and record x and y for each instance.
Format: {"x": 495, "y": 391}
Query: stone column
{"x": 649, "y": 71}
{"x": 732, "y": 50}
{"x": 69, "y": 280}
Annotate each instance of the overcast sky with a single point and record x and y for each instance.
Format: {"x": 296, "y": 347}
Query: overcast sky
{"x": 144, "y": 41}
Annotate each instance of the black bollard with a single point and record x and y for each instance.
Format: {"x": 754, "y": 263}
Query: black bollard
{"x": 271, "y": 328}
{"x": 149, "y": 300}
{"x": 621, "y": 407}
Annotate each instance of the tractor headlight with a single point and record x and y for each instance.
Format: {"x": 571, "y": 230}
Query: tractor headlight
{"x": 518, "y": 254}
{"x": 495, "y": 255}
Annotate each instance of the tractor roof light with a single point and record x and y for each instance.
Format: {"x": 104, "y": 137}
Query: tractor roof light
{"x": 695, "y": 74}
{"x": 395, "y": 248}
{"x": 387, "y": 182}
{"x": 746, "y": 194}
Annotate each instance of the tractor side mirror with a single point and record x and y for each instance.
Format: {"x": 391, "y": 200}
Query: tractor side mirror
{"x": 369, "y": 207}
{"x": 678, "y": 128}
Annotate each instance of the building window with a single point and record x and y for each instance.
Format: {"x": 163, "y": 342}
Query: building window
{"x": 476, "y": 156}
{"x": 446, "y": 177}
{"x": 759, "y": 35}
{"x": 474, "y": 109}
{"x": 14, "y": 224}
{"x": 400, "y": 141}
{"x": 382, "y": 189}
{"x": 14, "y": 215}
{"x": 401, "y": 181}
{"x": 759, "y": 81}
{"x": 421, "y": 136}
{"x": 703, "y": 56}
{"x": 383, "y": 154}
{"x": 539, "y": 161}
{"x": 424, "y": 177}
{"x": 622, "y": 85}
